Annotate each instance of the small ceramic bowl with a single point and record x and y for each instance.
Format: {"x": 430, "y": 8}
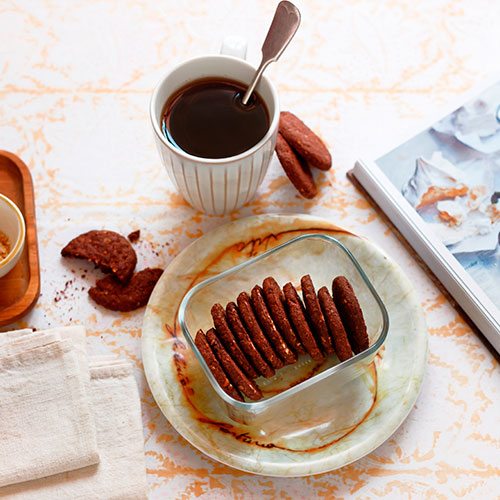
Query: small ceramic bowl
{"x": 13, "y": 226}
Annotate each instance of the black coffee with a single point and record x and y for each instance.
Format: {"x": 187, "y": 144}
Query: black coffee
{"x": 206, "y": 118}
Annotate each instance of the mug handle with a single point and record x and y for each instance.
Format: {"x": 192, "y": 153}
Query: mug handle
{"x": 235, "y": 46}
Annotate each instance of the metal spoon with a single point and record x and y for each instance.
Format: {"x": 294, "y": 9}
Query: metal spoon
{"x": 285, "y": 23}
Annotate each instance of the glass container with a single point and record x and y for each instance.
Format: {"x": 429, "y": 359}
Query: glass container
{"x": 307, "y": 391}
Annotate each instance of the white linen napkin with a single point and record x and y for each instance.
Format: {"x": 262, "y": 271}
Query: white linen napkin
{"x": 46, "y": 425}
{"x": 121, "y": 472}
{"x": 6, "y": 337}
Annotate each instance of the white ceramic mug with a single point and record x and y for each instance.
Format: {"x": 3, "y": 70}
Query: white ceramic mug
{"x": 216, "y": 186}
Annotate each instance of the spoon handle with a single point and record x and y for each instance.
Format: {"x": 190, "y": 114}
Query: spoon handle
{"x": 285, "y": 23}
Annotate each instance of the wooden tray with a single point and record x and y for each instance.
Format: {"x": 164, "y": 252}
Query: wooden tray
{"x": 19, "y": 289}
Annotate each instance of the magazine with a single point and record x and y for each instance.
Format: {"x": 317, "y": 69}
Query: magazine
{"x": 441, "y": 189}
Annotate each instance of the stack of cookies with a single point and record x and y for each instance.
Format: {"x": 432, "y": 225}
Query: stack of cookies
{"x": 271, "y": 327}
{"x": 299, "y": 148}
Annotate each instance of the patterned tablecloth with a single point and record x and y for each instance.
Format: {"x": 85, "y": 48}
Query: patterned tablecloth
{"x": 75, "y": 81}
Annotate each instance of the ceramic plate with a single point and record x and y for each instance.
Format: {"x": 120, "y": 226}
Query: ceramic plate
{"x": 187, "y": 400}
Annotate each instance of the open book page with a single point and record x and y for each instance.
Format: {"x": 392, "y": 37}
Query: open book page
{"x": 450, "y": 174}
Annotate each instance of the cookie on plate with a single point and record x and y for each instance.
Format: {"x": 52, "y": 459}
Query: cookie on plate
{"x": 275, "y": 301}
{"x": 350, "y": 313}
{"x": 227, "y": 338}
{"x": 215, "y": 367}
{"x": 255, "y": 331}
{"x": 237, "y": 377}
{"x": 239, "y": 331}
{"x": 297, "y": 315}
{"x": 335, "y": 326}
{"x": 267, "y": 323}
{"x": 315, "y": 314}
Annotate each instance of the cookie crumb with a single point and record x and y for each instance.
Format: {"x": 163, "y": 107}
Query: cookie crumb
{"x": 134, "y": 236}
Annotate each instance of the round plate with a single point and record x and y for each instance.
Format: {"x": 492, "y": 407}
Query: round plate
{"x": 188, "y": 401}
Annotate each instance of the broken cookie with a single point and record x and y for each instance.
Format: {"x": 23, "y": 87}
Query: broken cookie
{"x": 112, "y": 294}
{"x": 109, "y": 251}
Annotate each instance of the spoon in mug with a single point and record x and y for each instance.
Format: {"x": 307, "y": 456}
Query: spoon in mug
{"x": 284, "y": 26}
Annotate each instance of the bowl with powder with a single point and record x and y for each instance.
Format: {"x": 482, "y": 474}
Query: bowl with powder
{"x": 12, "y": 234}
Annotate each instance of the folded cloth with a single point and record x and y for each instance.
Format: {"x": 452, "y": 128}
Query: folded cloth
{"x": 6, "y": 337}
{"x": 27, "y": 342}
{"x": 121, "y": 472}
{"x": 74, "y": 333}
{"x": 19, "y": 340}
{"x": 78, "y": 337}
{"x": 46, "y": 424}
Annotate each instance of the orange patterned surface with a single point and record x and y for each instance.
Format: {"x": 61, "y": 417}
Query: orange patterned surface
{"x": 75, "y": 80}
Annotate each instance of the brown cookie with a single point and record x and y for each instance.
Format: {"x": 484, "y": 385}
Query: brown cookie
{"x": 237, "y": 377}
{"x": 254, "y": 330}
{"x": 267, "y": 323}
{"x": 234, "y": 322}
{"x": 350, "y": 313}
{"x": 335, "y": 326}
{"x": 112, "y": 294}
{"x": 109, "y": 251}
{"x": 298, "y": 172}
{"x": 227, "y": 338}
{"x": 215, "y": 367}
{"x": 275, "y": 302}
{"x": 297, "y": 315}
{"x": 315, "y": 314}
{"x": 304, "y": 141}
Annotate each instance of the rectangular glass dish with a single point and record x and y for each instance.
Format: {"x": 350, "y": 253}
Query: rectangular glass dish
{"x": 307, "y": 389}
